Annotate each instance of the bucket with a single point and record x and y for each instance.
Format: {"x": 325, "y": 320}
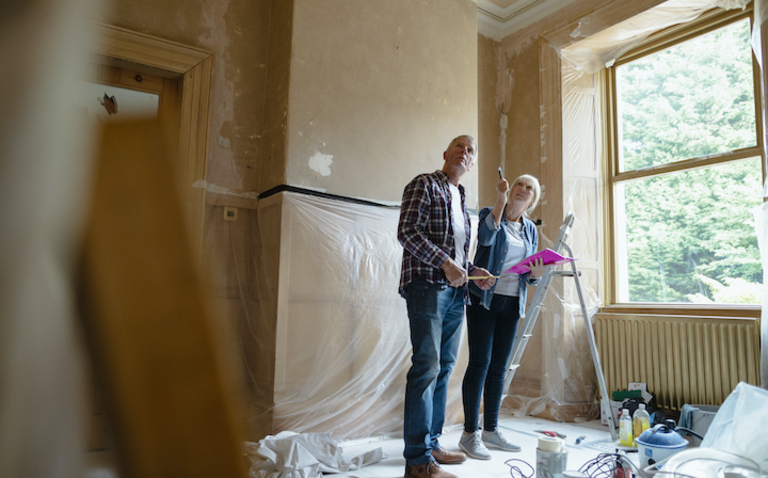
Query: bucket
{"x": 551, "y": 458}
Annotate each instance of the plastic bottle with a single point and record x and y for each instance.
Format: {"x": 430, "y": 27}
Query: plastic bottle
{"x": 641, "y": 421}
{"x": 626, "y": 436}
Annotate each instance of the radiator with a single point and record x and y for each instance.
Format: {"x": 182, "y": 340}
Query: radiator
{"x": 681, "y": 359}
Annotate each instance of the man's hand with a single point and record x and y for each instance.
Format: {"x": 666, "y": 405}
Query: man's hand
{"x": 456, "y": 275}
{"x": 483, "y": 284}
{"x": 537, "y": 268}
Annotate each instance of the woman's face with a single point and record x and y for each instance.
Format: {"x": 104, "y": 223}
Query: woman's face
{"x": 522, "y": 192}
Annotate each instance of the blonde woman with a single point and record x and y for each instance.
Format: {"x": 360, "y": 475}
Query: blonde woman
{"x": 505, "y": 237}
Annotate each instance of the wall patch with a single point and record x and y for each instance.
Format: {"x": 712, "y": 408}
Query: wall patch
{"x": 321, "y": 163}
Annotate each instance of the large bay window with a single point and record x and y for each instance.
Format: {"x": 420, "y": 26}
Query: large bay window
{"x": 686, "y": 166}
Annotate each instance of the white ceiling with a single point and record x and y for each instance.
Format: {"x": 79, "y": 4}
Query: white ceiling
{"x": 497, "y": 19}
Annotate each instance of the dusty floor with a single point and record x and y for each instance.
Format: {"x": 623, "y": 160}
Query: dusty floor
{"x": 521, "y": 431}
{"x": 518, "y": 430}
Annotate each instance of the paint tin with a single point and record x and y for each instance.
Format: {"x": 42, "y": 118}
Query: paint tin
{"x": 551, "y": 458}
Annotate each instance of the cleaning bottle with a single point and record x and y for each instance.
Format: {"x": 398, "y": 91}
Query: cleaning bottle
{"x": 626, "y": 436}
{"x": 641, "y": 421}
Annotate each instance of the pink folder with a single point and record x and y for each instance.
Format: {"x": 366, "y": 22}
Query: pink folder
{"x": 549, "y": 257}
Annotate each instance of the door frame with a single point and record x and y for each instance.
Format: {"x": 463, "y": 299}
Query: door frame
{"x": 193, "y": 68}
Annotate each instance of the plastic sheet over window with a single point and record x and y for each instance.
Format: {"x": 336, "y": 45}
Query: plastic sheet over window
{"x": 761, "y": 228}
{"x": 568, "y": 387}
{"x": 600, "y": 50}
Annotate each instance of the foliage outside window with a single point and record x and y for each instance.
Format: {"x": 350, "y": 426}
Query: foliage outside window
{"x": 687, "y": 171}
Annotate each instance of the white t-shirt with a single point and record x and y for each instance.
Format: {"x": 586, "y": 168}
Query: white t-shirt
{"x": 509, "y": 284}
{"x": 457, "y": 218}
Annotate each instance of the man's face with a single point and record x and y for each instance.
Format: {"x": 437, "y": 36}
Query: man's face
{"x": 460, "y": 155}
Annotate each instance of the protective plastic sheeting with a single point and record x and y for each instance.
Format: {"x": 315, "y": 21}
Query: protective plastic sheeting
{"x": 342, "y": 339}
{"x": 603, "y": 48}
{"x": 761, "y": 228}
{"x": 568, "y": 386}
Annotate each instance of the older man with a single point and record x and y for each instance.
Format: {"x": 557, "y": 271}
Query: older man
{"x": 434, "y": 230}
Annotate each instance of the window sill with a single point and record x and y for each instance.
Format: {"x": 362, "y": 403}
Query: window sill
{"x": 719, "y": 310}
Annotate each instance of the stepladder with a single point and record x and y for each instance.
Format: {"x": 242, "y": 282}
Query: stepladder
{"x": 525, "y": 331}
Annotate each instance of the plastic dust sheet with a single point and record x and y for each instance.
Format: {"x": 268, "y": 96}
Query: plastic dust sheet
{"x": 327, "y": 341}
{"x": 568, "y": 384}
{"x": 303, "y": 455}
{"x": 342, "y": 335}
{"x": 761, "y": 228}
{"x": 600, "y": 50}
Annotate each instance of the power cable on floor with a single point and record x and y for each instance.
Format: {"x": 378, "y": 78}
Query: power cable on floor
{"x": 515, "y": 471}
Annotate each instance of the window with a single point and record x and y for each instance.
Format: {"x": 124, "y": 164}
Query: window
{"x": 686, "y": 167}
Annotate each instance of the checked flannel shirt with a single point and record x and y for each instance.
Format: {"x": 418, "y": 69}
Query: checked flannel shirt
{"x": 426, "y": 232}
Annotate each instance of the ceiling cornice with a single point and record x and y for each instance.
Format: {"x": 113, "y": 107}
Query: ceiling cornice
{"x": 496, "y": 22}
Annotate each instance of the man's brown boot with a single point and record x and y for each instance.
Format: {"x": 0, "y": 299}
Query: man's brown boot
{"x": 427, "y": 470}
{"x": 445, "y": 457}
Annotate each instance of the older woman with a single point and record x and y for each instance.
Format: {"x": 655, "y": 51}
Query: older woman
{"x": 505, "y": 237}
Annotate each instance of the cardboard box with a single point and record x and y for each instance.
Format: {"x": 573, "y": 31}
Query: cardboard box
{"x": 615, "y": 406}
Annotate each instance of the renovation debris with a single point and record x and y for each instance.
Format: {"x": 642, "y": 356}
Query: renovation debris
{"x": 303, "y": 455}
{"x": 551, "y": 433}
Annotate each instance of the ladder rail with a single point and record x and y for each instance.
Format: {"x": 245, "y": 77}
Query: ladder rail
{"x": 593, "y": 347}
{"x": 537, "y": 304}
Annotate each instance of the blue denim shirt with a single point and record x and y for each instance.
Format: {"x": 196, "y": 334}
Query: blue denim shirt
{"x": 492, "y": 245}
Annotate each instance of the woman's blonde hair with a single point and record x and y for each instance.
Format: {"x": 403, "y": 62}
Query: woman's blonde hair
{"x": 529, "y": 180}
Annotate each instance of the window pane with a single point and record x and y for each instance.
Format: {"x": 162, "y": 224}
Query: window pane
{"x": 693, "y": 99}
{"x": 690, "y": 236}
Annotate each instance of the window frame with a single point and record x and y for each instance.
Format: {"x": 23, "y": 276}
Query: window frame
{"x": 709, "y": 21}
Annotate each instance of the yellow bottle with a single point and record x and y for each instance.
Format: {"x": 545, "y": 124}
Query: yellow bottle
{"x": 641, "y": 421}
{"x": 626, "y": 436}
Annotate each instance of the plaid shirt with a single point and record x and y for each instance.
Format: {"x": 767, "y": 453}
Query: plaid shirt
{"x": 426, "y": 230}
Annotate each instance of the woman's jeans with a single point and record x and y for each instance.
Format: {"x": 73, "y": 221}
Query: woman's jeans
{"x": 435, "y": 315}
{"x": 491, "y": 334}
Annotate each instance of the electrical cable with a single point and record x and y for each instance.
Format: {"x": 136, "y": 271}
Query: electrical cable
{"x": 515, "y": 469}
{"x": 606, "y": 464}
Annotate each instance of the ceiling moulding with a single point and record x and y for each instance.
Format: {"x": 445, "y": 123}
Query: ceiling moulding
{"x": 496, "y": 22}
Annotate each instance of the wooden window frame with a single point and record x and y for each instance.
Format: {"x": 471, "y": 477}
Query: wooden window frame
{"x": 675, "y": 35}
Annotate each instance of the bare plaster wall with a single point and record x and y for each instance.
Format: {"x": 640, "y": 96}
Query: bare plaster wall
{"x": 237, "y": 32}
{"x": 275, "y": 137}
{"x": 489, "y": 146}
{"x": 246, "y": 153}
{"x": 378, "y": 90}
{"x": 521, "y": 55}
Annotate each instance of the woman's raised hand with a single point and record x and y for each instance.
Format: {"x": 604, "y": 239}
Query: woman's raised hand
{"x": 502, "y": 187}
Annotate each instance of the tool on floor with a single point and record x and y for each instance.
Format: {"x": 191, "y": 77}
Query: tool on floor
{"x": 551, "y": 433}
{"x": 521, "y": 340}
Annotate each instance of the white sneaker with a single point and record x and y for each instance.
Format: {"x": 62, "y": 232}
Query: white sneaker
{"x": 496, "y": 439}
{"x": 473, "y": 446}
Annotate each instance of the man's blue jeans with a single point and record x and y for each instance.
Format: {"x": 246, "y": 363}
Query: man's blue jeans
{"x": 435, "y": 315}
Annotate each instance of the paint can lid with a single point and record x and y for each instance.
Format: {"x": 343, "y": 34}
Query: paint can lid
{"x": 550, "y": 444}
